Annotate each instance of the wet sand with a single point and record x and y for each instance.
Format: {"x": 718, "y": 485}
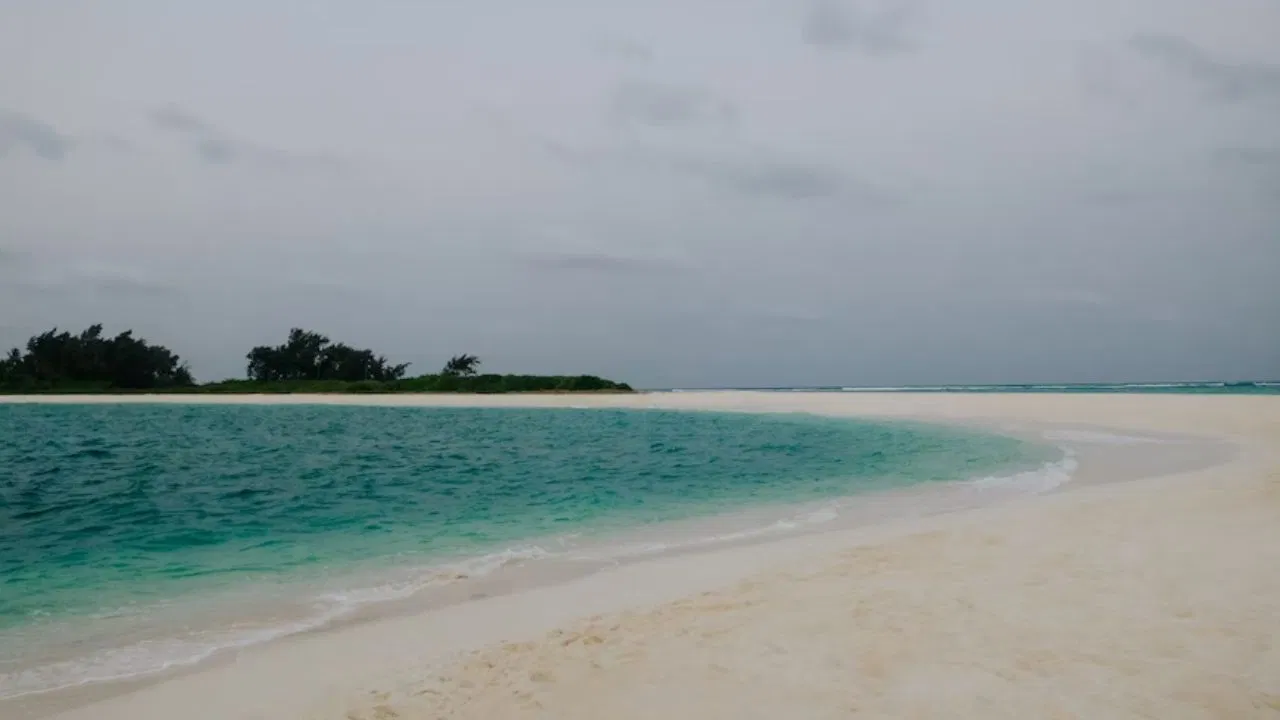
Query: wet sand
{"x": 1157, "y": 596}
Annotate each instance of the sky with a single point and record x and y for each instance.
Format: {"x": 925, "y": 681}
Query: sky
{"x": 673, "y": 193}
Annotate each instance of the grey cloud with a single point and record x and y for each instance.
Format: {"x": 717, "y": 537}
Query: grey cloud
{"x": 1077, "y": 296}
{"x": 173, "y": 118}
{"x": 1250, "y": 157}
{"x": 566, "y": 153}
{"x": 1223, "y": 80}
{"x": 897, "y": 213}
{"x": 601, "y": 263}
{"x": 1260, "y": 166}
{"x": 625, "y": 49}
{"x": 115, "y": 284}
{"x": 789, "y": 318}
{"x": 94, "y": 292}
{"x": 876, "y": 30}
{"x": 49, "y": 275}
{"x": 657, "y": 104}
{"x": 1110, "y": 198}
{"x": 325, "y": 288}
{"x": 216, "y": 147}
{"x": 114, "y": 143}
{"x": 21, "y": 130}
{"x": 749, "y": 172}
{"x": 215, "y": 150}
{"x": 781, "y": 179}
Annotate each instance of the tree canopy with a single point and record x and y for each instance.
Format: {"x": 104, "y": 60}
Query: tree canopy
{"x": 461, "y": 365}
{"x": 59, "y": 359}
{"x": 308, "y": 355}
{"x": 306, "y": 362}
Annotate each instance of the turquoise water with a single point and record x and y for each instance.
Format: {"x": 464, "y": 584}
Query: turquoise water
{"x": 1175, "y": 388}
{"x": 118, "y": 521}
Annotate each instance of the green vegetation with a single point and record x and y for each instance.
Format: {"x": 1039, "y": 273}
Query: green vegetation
{"x": 307, "y": 362}
{"x": 310, "y": 356}
{"x": 89, "y": 361}
{"x": 461, "y": 366}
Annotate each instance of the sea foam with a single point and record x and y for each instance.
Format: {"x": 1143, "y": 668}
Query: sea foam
{"x": 194, "y": 531}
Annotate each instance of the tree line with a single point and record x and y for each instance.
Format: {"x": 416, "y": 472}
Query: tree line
{"x": 309, "y": 355}
{"x": 305, "y": 362}
{"x": 54, "y": 359}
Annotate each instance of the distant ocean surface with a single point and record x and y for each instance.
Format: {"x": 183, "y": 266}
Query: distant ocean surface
{"x": 134, "y": 538}
{"x": 1195, "y": 388}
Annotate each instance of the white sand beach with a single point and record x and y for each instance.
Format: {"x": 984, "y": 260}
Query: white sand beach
{"x": 1108, "y": 597}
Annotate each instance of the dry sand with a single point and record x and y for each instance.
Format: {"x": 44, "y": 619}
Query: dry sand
{"x": 1154, "y": 598}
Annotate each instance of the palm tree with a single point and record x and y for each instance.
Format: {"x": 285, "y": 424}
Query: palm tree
{"x": 462, "y": 365}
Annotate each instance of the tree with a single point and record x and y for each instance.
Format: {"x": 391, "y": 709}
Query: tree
{"x": 11, "y": 368}
{"x": 308, "y": 355}
{"x": 461, "y": 366}
{"x": 55, "y": 359}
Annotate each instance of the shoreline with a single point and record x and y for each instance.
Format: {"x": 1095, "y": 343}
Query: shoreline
{"x": 372, "y": 591}
{"x": 713, "y": 566}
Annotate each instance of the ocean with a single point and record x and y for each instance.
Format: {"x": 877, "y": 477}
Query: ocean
{"x": 140, "y": 538}
{"x": 1177, "y": 388}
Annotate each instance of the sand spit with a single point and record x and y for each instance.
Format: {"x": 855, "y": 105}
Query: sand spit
{"x": 1157, "y": 597}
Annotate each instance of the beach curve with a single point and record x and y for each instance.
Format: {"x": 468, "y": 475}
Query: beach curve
{"x": 1149, "y": 597}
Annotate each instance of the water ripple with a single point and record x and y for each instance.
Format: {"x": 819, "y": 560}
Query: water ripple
{"x": 110, "y": 506}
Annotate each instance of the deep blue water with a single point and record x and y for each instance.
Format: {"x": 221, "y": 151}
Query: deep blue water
{"x": 130, "y": 511}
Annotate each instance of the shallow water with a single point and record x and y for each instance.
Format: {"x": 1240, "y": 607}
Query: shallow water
{"x": 136, "y": 538}
{"x": 1169, "y": 388}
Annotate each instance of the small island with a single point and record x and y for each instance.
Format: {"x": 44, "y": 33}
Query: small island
{"x": 307, "y": 362}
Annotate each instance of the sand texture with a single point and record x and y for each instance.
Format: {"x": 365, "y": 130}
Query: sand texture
{"x": 1153, "y": 598}
{"x": 1103, "y": 609}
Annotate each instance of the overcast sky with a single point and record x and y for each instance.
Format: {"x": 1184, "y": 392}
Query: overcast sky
{"x": 669, "y": 192}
